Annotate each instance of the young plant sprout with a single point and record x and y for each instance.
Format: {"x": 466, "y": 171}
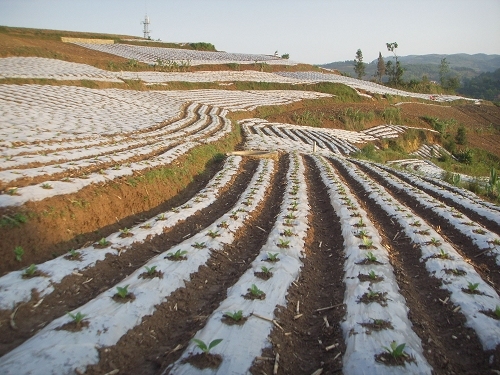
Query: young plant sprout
{"x": 435, "y": 242}
{"x": 103, "y": 242}
{"x": 288, "y": 232}
{"x": 367, "y": 242}
{"x": 272, "y": 257}
{"x": 497, "y": 312}
{"x": 78, "y": 317}
{"x": 255, "y": 291}
{"x": 161, "y": 217}
{"x": 177, "y": 255}
{"x": 199, "y": 245}
{"x": 73, "y": 253}
{"x": 397, "y": 351}
{"x": 223, "y": 224}
{"x": 122, "y": 291}
{"x": 372, "y": 275}
{"x": 236, "y": 316}
{"x": 443, "y": 254}
{"x": 266, "y": 270}
{"x": 283, "y": 243}
{"x": 46, "y": 186}
{"x": 19, "y": 252}
{"x": 472, "y": 287}
{"x": 213, "y": 234}
{"x": 203, "y": 347}
{"x": 30, "y": 271}
{"x": 150, "y": 270}
{"x": 371, "y": 257}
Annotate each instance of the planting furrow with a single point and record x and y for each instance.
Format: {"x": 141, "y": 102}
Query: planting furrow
{"x": 311, "y": 338}
{"x": 479, "y": 237}
{"x": 372, "y": 295}
{"x": 156, "y": 343}
{"x": 475, "y": 298}
{"x": 489, "y": 217}
{"x": 16, "y": 288}
{"x": 112, "y": 314}
{"x": 278, "y": 263}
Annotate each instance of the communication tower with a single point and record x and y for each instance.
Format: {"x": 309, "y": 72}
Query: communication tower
{"x": 146, "y": 27}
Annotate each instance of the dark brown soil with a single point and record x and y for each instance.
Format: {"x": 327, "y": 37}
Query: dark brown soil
{"x": 205, "y": 360}
{"x": 433, "y": 321}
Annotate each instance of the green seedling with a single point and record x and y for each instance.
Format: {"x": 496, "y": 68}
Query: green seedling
{"x": 290, "y": 216}
{"x": 199, "y": 245}
{"x": 372, "y": 275}
{"x": 236, "y": 316}
{"x": 435, "y": 242}
{"x": 223, "y": 224}
{"x": 272, "y": 257}
{"x": 46, "y": 186}
{"x": 19, "y": 252}
{"x": 367, "y": 242}
{"x": 360, "y": 223}
{"x": 122, "y": 291}
{"x": 186, "y": 206}
{"x": 283, "y": 243}
{"x": 103, "y": 242}
{"x": 371, "y": 294}
{"x": 78, "y": 317}
{"x": 288, "y": 223}
{"x": 397, "y": 351}
{"x": 203, "y": 347}
{"x": 12, "y": 191}
{"x": 424, "y": 232}
{"x": 496, "y": 242}
{"x": 255, "y": 291}
{"x": 288, "y": 232}
{"x": 125, "y": 231}
{"x": 73, "y": 253}
{"x": 443, "y": 254}
{"x": 146, "y": 226}
{"x": 362, "y": 233}
{"x": 176, "y": 210}
{"x": 472, "y": 287}
{"x": 370, "y": 257}
{"x": 161, "y": 217}
{"x": 177, "y": 255}
{"x": 497, "y": 312}
{"x": 213, "y": 234}
{"x": 234, "y": 215}
{"x": 266, "y": 270}
{"x": 150, "y": 270}
{"x": 30, "y": 271}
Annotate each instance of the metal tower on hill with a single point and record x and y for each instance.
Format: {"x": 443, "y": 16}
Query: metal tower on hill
{"x": 146, "y": 27}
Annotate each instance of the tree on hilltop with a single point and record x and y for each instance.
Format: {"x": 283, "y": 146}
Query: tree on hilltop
{"x": 380, "y": 67}
{"x": 394, "y": 71}
{"x": 359, "y": 65}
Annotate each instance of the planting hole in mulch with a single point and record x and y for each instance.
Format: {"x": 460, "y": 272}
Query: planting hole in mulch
{"x": 204, "y": 360}
{"x": 377, "y": 325}
{"x": 368, "y": 261}
{"x": 76, "y": 256}
{"x": 73, "y": 326}
{"x": 491, "y": 313}
{"x": 101, "y": 246}
{"x": 263, "y": 275}
{"x": 371, "y": 296}
{"x": 371, "y": 278}
{"x": 250, "y": 295}
{"x": 151, "y": 275}
{"x": 389, "y": 360}
{"x": 455, "y": 272}
{"x": 129, "y": 297}
{"x": 231, "y": 322}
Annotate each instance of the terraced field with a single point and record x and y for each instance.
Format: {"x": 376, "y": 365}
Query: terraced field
{"x": 300, "y": 260}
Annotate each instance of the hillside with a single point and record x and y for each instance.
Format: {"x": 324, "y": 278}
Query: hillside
{"x": 177, "y": 211}
{"x": 463, "y": 65}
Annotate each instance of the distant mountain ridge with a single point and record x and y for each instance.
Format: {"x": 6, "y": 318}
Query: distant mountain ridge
{"x": 461, "y": 64}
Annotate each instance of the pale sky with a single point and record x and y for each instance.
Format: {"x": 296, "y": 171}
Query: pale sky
{"x": 311, "y": 31}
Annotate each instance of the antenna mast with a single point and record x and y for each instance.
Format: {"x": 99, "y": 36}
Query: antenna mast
{"x": 146, "y": 27}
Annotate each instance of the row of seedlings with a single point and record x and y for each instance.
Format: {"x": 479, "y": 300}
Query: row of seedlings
{"x": 488, "y": 211}
{"x": 377, "y": 332}
{"x": 70, "y": 151}
{"x": 243, "y": 321}
{"x": 161, "y": 145}
{"x": 17, "y": 286}
{"x": 483, "y": 239}
{"x": 477, "y": 300}
{"x": 62, "y": 349}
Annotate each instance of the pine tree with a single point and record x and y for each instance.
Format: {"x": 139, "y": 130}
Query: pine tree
{"x": 380, "y": 67}
{"x": 359, "y": 65}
